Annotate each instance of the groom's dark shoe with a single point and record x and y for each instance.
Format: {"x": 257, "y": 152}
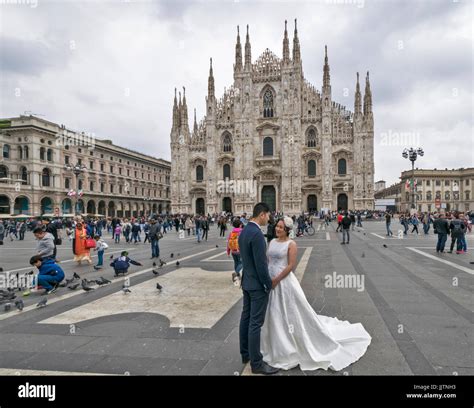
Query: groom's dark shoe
{"x": 265, "y": 369}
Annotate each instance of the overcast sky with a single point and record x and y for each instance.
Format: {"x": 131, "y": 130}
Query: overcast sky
{"x": 110, "y": 67}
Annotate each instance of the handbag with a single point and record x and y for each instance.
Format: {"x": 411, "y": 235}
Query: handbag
{"x": 58, "y": 241}
{"x": 90, "y": 243}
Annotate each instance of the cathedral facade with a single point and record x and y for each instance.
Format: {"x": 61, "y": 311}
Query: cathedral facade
{"x": 273, "y": 137}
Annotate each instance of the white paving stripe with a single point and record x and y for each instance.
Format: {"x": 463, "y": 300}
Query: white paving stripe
{"x": 328, "y": 237}
{"x": 301, "y": 268}
{"x": 211, "y": 259}
{"x": 81, "y": 292}
{"x": 377, "y": 235}
{"x": 452, "y": 264}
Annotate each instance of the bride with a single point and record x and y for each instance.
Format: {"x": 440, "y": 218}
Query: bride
{"x": 293, "y": 334}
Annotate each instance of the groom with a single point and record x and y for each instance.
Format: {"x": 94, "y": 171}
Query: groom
{"x": 256, "y": 286}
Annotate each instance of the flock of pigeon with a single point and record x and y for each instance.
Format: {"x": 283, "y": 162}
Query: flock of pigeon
{"x": 7, "y": 296}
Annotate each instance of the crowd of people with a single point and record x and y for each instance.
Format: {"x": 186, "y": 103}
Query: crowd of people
{"x": 87, "y": 234}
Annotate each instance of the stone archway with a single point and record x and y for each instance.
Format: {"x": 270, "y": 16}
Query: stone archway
{"x": 46, "y": 206}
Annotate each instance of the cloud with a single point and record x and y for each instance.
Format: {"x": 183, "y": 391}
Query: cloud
{"x": 110, "y": 68}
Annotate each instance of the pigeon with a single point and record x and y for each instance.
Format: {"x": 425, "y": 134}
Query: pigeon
{"x": 111, "y": 257}
{"x": 85, "y": 287}
{"x": 156, "y": 273}
{"x": 1, "y": 269}
{"x": 385, "y": 246}
{"x": 105, "y": 280}
{"x": 365, "y": 233}
{"x": 154, "y": 264}
{"x": 89, "y": 282}
{"x": 171, "y": 255}
{"x": 158, "y": 286}
{"x": 7, "y": 307}
{"x": 177, "y": 263}
{"x": 69, "y": 281}
{"x": 19, "y": 305}
{"x": 363, "y": 254}
{"x": 217, "y": 246}
{"x": 162, "y": 263}
{"x": 76, "y": 276}
{"x": 42, "y": 302}
{"x": 126, "y": 290}
{"x": 73, "y": 287}
{"x": 63, "y": 284}
{"x": 471, "y": 262}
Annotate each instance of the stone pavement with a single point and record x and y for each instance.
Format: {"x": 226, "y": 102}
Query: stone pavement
{"x": 416, "y": 305}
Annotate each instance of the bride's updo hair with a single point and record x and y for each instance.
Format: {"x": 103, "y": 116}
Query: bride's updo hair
{"x": 288, "y": 224}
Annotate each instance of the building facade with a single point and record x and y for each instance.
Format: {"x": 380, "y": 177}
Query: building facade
{"x": 115, "y": 181}
{"x": 435, "y": 190}
{"x": 273, "y": 137}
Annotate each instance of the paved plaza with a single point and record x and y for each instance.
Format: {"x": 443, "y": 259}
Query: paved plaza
{"x": 415, "y": 304}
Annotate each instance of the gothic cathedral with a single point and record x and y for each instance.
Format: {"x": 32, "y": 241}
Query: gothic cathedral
{"x": 273, "y": 137}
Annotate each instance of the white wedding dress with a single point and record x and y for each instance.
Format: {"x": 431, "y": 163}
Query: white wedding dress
{"x": 293, "y": 334}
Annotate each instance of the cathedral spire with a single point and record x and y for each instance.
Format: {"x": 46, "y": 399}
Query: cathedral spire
{"x": 195, "y": 127}
{"x": 326, "y": 76}
{"x": 180, "y": 108}
{"x": 184, "y": 112}
{"x": 286, "y": 46}
{"x": 296, "y": 47}
{"x": 210, "y": 83}
{"x": 175, "y": 112}
{"x": 358, "y": 98}
{"x": 238, "y": 53}
{"x": 248, "y": 52}
{"x": 367, "y": 96}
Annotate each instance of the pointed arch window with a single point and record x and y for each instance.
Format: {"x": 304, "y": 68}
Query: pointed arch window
{"x": 311, "y": 139}
{"x": 268, "y": 104}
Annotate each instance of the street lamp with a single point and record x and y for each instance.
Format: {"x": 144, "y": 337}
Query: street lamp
{"x": 412, "y": 154}
{"x": 76, "y": 169}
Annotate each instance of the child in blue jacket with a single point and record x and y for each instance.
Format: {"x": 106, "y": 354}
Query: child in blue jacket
{"x": 50, "y": 273}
